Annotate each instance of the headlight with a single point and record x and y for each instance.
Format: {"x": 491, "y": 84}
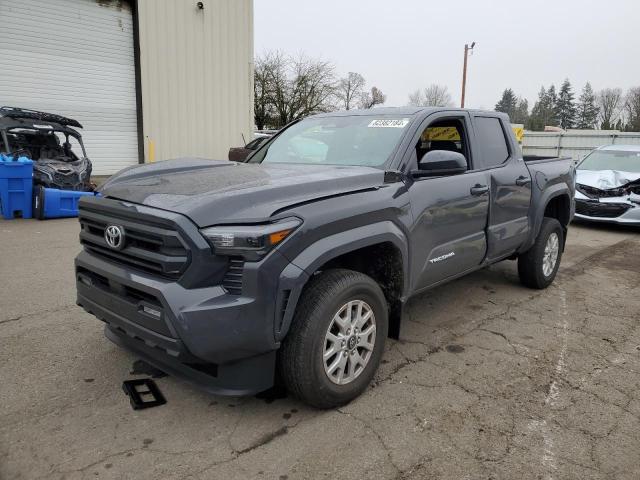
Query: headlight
{"x": 249, "y": 241}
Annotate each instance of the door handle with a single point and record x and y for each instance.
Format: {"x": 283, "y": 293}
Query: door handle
{"x": 479, "y": 190}
{"x": 521, "y": 181}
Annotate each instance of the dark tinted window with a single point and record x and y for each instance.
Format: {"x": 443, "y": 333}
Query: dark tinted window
{"x": 491, "y": 142}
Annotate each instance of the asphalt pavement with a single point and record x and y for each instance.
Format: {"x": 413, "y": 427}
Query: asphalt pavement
{"x": 489, "y": 380}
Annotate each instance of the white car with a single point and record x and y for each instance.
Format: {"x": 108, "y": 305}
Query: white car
{"x": 608, "y": 185}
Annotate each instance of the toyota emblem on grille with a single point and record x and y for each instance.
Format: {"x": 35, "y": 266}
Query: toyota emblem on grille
{"x": 114, "y": 236}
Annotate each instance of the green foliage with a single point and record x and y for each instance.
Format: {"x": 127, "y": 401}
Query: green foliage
{"x": 521, "y": 114}
{"x": 544, "y": 111}
{"x": 517, "y": 108}
{"x": 587, "y": 110}
{"x": 507, "y": 103}
{"x": 565, "y": 106}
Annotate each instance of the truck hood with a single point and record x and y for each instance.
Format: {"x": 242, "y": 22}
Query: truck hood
{"x": 212, "y": 192}
{"x": 605, "y": 179}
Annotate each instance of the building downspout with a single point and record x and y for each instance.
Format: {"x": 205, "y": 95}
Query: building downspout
{"x": 136, "y": 57}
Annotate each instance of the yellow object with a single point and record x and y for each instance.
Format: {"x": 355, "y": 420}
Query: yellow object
{"x": 441, "y": 133}
{"x": 452, "y": 134}
{"x": 151, "y": 150}
{"x": 519, "y": 133}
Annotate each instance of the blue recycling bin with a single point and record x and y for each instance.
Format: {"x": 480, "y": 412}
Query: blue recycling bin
{"x": 53, "y": 203}
{"x": 16, "y": 186}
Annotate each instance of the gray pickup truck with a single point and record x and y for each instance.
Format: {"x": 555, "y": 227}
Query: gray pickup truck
{"x": 297, "y": 264}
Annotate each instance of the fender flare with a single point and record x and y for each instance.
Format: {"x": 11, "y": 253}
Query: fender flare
{"x": 549, "y": 194}
{"x": 295, "y": 276}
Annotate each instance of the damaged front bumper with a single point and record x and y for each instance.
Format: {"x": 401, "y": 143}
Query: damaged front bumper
{"x": 623, "y": 210}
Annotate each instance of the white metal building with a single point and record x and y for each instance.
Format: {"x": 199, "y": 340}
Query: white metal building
{"x": 148, "y": 79}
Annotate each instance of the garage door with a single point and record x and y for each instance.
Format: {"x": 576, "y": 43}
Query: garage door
{"x": 75, "y": 58}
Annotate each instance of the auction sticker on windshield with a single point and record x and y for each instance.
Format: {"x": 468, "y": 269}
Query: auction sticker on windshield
{"x": 389, "y": 123}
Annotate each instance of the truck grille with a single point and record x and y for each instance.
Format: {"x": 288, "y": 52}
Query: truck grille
{"x": 601, "y": 209}
{"x": 232, "y": 281}
{"x": 154, "y": 248}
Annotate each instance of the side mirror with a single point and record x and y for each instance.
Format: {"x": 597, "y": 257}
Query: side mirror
{"x": 437, "y": 163}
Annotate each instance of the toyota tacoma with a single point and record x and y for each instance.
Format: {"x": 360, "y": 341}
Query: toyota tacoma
{"x": 297, "y": 264}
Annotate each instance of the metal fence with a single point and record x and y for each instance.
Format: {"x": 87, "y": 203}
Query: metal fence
{"x": 574, "y": 144}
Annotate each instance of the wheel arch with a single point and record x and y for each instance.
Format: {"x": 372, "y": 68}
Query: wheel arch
{"x": 555, "y": 202}
{"x": 378, "y": 250}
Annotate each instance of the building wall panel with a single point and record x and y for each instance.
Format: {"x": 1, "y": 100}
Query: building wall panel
{"x": 196, "y": 75}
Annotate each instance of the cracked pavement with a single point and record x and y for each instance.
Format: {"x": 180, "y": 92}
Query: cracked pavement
{"x": 489, "y": 380}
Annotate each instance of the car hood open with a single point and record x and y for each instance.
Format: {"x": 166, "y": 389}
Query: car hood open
{"x": 212, "y": 192}
{"x": 605, "y": 179}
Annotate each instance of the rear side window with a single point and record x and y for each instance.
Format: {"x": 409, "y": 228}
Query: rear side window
{"x": 491, "y": 142}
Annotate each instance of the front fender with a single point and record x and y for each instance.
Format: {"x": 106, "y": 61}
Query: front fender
{"x": 295, "y": 276}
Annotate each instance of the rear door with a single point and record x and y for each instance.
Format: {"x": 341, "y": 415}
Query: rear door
{"x": 450, "y": 212}
{"x": 500, "y": 158}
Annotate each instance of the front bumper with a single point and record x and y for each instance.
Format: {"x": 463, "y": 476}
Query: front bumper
{"x": 223, "y": 343}
{"x": 614, "y": 210}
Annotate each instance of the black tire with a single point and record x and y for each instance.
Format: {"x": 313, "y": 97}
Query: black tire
{"x": 300, "y": 359}
{"x": 530, "y": 263}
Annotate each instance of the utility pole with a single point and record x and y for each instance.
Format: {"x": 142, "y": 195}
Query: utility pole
{"x": 464, "y": 71}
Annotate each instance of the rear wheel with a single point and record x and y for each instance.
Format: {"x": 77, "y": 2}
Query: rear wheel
{"x": 539, "y": 265}
{"x": 336, "y": 339}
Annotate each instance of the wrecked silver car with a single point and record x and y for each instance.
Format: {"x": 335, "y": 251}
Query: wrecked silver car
{"x": 608, "y": 185}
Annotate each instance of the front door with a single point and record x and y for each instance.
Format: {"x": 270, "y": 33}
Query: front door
{"x": 450, "y": 212}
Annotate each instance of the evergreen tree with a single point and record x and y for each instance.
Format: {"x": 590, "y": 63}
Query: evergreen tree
{"x": 521, "y": 113}
{"x": 587, "y": 111}
{"x": 544, "y": 111}
{"x": 507, "y": 103}
{"x": 551, "y": 107}
{"x": 566, "y": 107}
{"x": 536, "y": 120}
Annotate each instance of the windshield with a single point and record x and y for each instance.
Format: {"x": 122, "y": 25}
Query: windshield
{"x": 611, "y": 160}
{"x": 355, "y": 140}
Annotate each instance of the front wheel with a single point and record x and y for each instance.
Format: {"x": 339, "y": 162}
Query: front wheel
{"x": 336, "y": 339}
{"x": 538, "y": 266}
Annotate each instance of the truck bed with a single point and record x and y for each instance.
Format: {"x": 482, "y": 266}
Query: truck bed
{"x": 542, "y": 158}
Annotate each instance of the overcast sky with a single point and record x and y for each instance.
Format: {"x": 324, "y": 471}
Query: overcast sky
{"x": 402, "y": 45}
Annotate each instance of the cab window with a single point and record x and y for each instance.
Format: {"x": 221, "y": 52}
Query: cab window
{"x": 492, "y": 143}
{"x": 447, "y": 134}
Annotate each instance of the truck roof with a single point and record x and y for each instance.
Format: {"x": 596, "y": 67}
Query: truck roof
{"x": 403, "y": 111}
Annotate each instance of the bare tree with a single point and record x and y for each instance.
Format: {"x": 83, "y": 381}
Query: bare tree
{"x": 416, "y": 99}
{"x": 372, "y": 98}
{"x": 610, "y": 103}
{"x": 288, "y": 88}
{"x": 632, "y": 109}
{"x": 437, "y": 96}
{"x": 350, "y": 89}
{"x": 266, "y": 68}
{"x": 432, "y": 96}
{"x": 311, "y": 89}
